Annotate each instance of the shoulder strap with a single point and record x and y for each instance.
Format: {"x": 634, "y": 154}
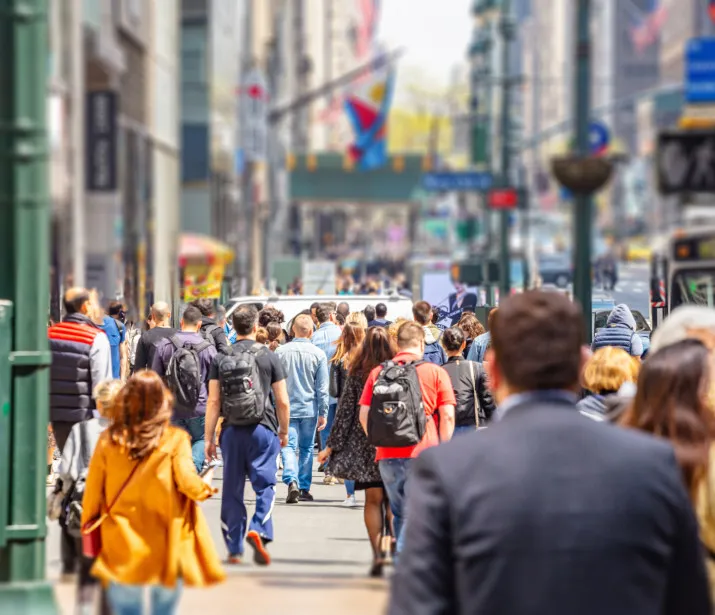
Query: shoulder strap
{"x": 176, "y": 341}
{"x": 84, "y": 444}
{"x": 202, "y": 346}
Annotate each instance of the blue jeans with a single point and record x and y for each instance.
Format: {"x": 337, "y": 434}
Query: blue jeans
{"x": 195, "y": 428}
{"x": 298, "y": 455}
{"x": 332, "y": 408}
{"x": 350, "y": 487}
{"x": 465, "y": 429}
{"x": 129, "y": 599}
{"x": 395, "y": 473}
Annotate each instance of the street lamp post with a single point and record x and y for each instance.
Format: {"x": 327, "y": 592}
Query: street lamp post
{"x": 507, "y": 32}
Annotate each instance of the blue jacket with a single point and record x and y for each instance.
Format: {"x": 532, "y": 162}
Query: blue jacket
{"x": 479, "y": 348}
{"x": 619, "y": 332}
{"x": 306, "y": 368}
{"x": 325, "y": 338}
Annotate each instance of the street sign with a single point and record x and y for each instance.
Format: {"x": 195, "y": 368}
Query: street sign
{"x": 464, "y": 181}
{"x": 700, "y": 70}
{"x": 686, "y": 162}
{"x": 254, "y": 116}
{"x": 101, "y": 141}
{"x": 599, "y": 137}
{"x": 503, "y": 199}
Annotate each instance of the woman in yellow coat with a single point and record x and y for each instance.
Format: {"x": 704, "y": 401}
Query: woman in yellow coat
{"x": 155, "y": 534}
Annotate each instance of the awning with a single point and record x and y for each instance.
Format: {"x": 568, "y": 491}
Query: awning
{"x": 202, "y": 249}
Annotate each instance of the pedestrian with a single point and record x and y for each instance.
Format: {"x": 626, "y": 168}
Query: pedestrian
{"x": 113, "y": 326}
{"x": 350, "y": 340}
{"x": 141, "y": 495}
{"x": 314, "y": 313}
{"x": 481, "y": 343}
{"x": 344, "y": 309}
{"x": 357, "y": 318}
{"x": 547, "y": 511}
{"x": 74, "y": 467}
{"x": 619, "y": 332}
{"x": 604, "y": 376}
{"x": 184, "y": 362}
{"x": 134, "y": 333}
{"x": 350, "y": 454}
{"x": 370, "y": 313}
{"x": 434, "y": 397}
{"x": 161, "y": 329}
{"x": 475, "y": 405}
{"x": 326, "y": 338}
{"x": 306, "y": 368}
{"x": 685, "y": 322}
{"x": 243, "y": 386}
{"x": 472, "y": 328}
{"x": 275, "y": 335}
{"x": 210, "y": 330}
{"x": 434, "y": 353}
{"x": 380, "y": 317}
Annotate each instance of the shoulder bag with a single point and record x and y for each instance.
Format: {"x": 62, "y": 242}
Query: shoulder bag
{"x": 477, "y": 405}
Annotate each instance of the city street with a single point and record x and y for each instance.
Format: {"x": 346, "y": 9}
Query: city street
{"x": 321, "y": 557}
{"x": 633, "y": 287}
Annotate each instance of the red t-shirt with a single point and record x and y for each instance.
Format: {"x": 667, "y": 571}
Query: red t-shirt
{"x": 437, "y": 391}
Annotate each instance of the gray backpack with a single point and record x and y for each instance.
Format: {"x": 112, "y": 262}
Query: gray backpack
{"x": 243, "y": 398}
{"x": 183, "y": 375}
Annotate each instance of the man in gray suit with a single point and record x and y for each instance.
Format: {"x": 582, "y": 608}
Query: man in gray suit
{"x": 548, "y": 511}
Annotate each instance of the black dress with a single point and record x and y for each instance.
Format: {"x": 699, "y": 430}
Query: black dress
{"x": 352, "y": 457}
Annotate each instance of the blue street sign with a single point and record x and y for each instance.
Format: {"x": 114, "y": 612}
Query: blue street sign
{"x": 463, "y": 181}
{"x": 599, "y": 137}
{"x": 700, "y": 70}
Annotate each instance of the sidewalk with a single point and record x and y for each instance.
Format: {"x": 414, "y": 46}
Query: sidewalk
{"x": 321, "y": 557}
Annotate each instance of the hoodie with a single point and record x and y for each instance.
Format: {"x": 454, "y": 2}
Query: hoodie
{"x": 619, "y": 332}
{"x": 434, "y": 353}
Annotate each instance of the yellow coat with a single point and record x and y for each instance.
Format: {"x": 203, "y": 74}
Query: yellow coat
{"x": 705, "y": 509}
{"x": 156, "y": 532}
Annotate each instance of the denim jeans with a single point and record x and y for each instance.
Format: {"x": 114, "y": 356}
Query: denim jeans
{"x": 195, "y": 428}
{"x": 465, "y": 429}
{"x": 129, "y": 599}
{"x": 332, "y": 408}
{"x": 298, "y": 455}
{"x": 395, "y": 473}
{"x": 350, "y": 487}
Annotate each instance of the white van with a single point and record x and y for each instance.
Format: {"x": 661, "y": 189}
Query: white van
{"x": 292, "y": 305}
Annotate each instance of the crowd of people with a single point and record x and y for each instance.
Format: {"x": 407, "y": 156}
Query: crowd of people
{"x": 547, "y": 498}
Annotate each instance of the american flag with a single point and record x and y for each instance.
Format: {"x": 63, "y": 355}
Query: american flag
{"x": 646, "y": 27}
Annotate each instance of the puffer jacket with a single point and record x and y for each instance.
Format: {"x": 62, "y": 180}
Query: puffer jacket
{"x": 619, "y": 332}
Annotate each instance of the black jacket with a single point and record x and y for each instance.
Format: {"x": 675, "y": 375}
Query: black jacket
{"x": 550, "y": 512}
{"x": 464, "y": 388}
{"x": 218, "y": 334}
{"x": 338, "y": 377}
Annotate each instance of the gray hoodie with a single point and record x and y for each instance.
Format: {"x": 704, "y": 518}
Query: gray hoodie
{"x": 619, "y": 332}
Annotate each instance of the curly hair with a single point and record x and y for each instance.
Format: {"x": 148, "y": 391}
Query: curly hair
{"x": 140, "y": 415}
{"x": 471, "y": 326}
{"x": 270, "y": 314}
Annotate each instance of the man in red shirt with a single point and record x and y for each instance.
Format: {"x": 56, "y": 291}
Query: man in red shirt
{"x": 439, "y": 402}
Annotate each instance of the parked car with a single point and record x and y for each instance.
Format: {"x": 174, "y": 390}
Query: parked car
{"x": 556, "y": 269}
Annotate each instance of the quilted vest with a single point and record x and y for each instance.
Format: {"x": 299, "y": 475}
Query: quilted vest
{"x": 618, "y": 337}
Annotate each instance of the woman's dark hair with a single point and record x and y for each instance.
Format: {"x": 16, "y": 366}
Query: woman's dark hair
{"x": 268, "y": 315}
{"x": 452, "y": 339}
{"x": 672, "y": 403}
{"x": 377, "y": 348}
{"x": 274, "y": 331}
{"x": 471, "y": 326}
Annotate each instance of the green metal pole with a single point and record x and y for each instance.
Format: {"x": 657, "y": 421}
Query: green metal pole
{"x": 507, "y": 31}
{"x": 489, "y": 217}
{"x": 24, "y": 279}
{"x": 583, "y": 203}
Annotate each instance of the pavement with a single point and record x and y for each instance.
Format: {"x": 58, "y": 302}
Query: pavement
{"x": 633, "y": 287}
{"x": 321, "y": 556}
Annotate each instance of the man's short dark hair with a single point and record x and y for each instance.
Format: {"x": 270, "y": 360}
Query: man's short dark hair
{"x": 192, "y": 315}
{"x": 422, "y": 313}
{"x": 74, "y": 299}
{"x": 344, "y": 309}
{"x": 220, "y": 313}
{"x": 550, "y": 326}
{"x": 452, "y": 339}
{"x": 245, "y": 319}
{"x": 381, "y": 310}
{"x": 205, "y": 306}
{"x": 409, "y": 335}
{"x": 324, "y": 311}
{"x": 115, "y": 308}
{"x": 369, "y": 312}
{"x": 315, "y": 306}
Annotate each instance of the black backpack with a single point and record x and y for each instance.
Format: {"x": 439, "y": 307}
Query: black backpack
{"x": 73, "y": 500}
{"x": 208, "y": 334}
{"x": 243, "y": 400}
{"x": 397, "y": 415}
{"x": 183, "y": 375}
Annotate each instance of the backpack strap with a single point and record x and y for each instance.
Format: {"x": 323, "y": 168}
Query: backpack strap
{"x": 199, "y": 348}
{"x": 176, "y": 341}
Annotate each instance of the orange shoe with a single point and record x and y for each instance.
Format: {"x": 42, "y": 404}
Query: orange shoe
{"x": 260, "y": 554}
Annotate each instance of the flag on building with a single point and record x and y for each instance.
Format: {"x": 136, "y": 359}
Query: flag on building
{"x": 368, "y": 107}
{"x": 646, "y": 27}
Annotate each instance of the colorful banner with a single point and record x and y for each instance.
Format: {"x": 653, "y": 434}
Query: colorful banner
{"x": 202, "y": 281}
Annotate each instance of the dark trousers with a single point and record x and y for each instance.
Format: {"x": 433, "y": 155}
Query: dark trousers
{"x": 69, "y": 551}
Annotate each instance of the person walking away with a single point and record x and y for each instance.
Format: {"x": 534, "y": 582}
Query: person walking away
{"x": 184, "y": 362}
{"x": 134, "y": 333}
{"x": 482, "y": 342}
{"x": 141, "y": 492}
{"x": 673, "y": 402}
{"x": 113, "y": 326}
{"x": 275, "y": 335}
{"x": 370, "y": 313}
{"x": 72, "y": 481}
{"x": 619, "y": 332}
{"x": 209, "y": 328}
{"x": 161, "y": 330}
{"x": 380, "y": 317}
{"x": 434, "y": 353}
{"x": 306, "y": 369}
{"x": 349, "y": 453}
{"x": 604, "y": 376}
{"x": 349, "y": 342}
{"x": 252, "y": 434}
{"x": 326, "y": 338}
{"x": 472, "y": 328}
{"x": 475, "y": 405}
{"x": 611, "y": 501}
{"x": 344, "y": 309}
{"x": 314, "y": 314}
{"x": 424, "y": 389}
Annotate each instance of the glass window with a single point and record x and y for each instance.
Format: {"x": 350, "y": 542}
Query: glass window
{"x": 694, "y": 287}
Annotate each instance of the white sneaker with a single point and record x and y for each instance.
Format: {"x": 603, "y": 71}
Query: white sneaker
{"x": 350, "y": 502}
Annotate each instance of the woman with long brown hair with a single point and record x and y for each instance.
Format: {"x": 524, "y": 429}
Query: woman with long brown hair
{"x": 350, "y": 455}
{"x": 141, "y": 493}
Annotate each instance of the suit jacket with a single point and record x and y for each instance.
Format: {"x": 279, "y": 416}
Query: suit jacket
{"x": 550, "y": 512}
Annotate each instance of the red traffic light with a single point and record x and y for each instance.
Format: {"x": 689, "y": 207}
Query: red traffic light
{"x": 503, "y": 199}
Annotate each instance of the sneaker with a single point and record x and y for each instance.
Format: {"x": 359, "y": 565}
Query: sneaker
{"x": 350, "y": 501}
{"x": 260, "y": 555}
{"x": 305, "y": 496}
{"x": 293, "y": 493}
{"x": 233, "y": 560}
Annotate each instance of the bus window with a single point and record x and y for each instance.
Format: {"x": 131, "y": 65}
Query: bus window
{"x": 693, "y": 286}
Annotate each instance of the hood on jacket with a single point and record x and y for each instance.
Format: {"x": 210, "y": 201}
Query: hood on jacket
{"x": 432, "y": 334}
{"x": 593, "y": 403}
{"x": 621, "y": 316}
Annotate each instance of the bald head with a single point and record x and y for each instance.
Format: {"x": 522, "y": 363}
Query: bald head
{"x": 303, "y": 326}
{"x": 160, "y": 313}
{"x": 76, "y": 300}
